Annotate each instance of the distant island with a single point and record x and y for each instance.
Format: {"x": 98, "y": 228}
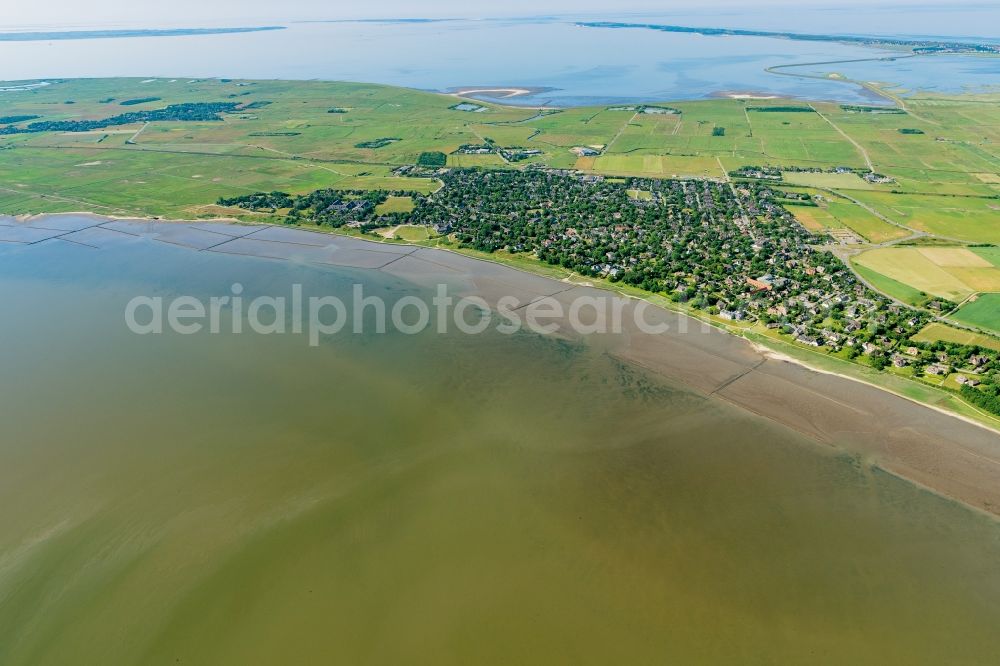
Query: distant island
{"x": 915, "y": 45}
{"x": 112, "y": 34}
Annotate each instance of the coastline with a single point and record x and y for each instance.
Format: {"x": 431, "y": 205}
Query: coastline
{"x": 768, "y": 347}
{"x": 944, "y": 452}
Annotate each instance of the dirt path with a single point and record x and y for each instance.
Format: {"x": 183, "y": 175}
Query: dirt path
{"x": 858, "y": 146}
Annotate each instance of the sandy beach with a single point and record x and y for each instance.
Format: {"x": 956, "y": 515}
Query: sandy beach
{"x": 948, "y": 455}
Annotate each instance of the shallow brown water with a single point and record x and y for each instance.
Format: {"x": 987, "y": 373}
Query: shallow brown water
{"x": 428, "y": 499}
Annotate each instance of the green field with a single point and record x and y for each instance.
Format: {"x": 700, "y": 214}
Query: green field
{"x": 847, "y": 181}
{"x": 640, "y": 195}
{"x": 973, "y": 219}
{"x": 412, "y": 233}
{"x": 395, "y": 204}
{"x": 990, "y": 254}
{"x": 658, "y": 166}
{"x": 984, "y": 312}
{"x": 863, "y": 222}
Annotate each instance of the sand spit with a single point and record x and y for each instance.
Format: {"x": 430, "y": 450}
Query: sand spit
{"x": 498, "y": 92}
{"x": 746, "y": 95}
{"x": 946, "y": 454}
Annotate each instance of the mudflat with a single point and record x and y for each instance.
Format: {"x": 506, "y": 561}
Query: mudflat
{"x": 944, "y": 453}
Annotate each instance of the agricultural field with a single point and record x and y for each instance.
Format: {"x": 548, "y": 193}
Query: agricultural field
{"x": 990, "y": 254}
{"x": 941, "y": 332}
{"x": 658, "y": 166}
{"x": 845, "y": 181}
{"x": 963, "y": 218}
{"x": 491, "y": 160}
{"x": 950, "y": 273}
{"x": 862, "y": 222}
{"x": 833, "y": 212}
{"x": 982, "y": 312}
{"x": 815, "y": 218}
{"x": 888, "y": 286}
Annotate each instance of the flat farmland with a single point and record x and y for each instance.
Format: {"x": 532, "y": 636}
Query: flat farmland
{"x": 951, "y": 273}
{"x": 990, "y": 254}
{"x": 960, "y": 138}
{"x": 863, "y": 222}
{"x": 659, "y": 166}
{"x": 491, "y": 160}
{"x": 971, "y": 219}
{"x": 815, "y": 218}
{"x": 804, "y": 137}
{"x": 890, "y": 287}
{"x": 135, "y": 181}
{"x": 983, "y": 312}
{"x": 833, "y": 212}
{"x": 845, "y": 181}
{"x": 941, "y": 332}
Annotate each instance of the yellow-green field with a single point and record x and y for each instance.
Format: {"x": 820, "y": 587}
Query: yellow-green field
{"x": 395, "y": 205}
{"x": 658, "y": 166}
{"x": 951, "y": 273}
{"x": 847, "y": 181}
{"x": 490, "y": 160}
{"x": 815, "y": 218}
{"x": 940, "y": 332}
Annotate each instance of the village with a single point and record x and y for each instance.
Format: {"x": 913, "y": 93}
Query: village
{"x": 729, "y": 250}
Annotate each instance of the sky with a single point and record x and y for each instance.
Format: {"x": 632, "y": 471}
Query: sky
{"x": 153, "y": 13}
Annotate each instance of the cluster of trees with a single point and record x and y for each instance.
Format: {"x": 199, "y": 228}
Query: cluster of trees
{"x": 853, "y": 108}
{"x": 333, "y": 208}
{"x": 986, "y": 398}
{"x": 190, "y": 112}
{"x": 260, "y": 201}
{"x": 432, "y": 159}
{"x": 140, "y": 100}
{"x": 11, "y": 120}
{"x": 377, "y": 143}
